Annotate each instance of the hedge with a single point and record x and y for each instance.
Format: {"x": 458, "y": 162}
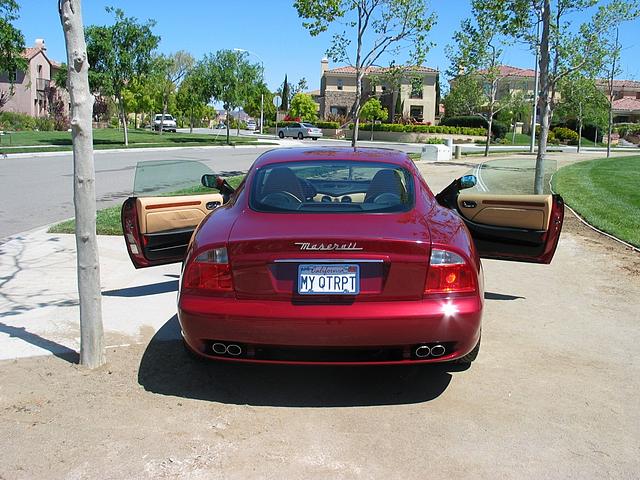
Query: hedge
{"x": 498, "y": 129}
{"x": 335, "y": 125}
{"x": 396, "y": 127}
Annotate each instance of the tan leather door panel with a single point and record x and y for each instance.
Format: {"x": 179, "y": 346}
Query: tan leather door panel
{"x": 158, "y": 214}
{"x": 531, "y": 212}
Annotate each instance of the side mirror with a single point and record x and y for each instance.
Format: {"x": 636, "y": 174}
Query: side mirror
{"x": 209, "y": 180}
{"x": 468, "y": 181}
{"x": 213, "y": 181}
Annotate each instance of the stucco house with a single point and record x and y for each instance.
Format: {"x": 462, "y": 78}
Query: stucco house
{"x": 417, "y": 99}
{"x": 33, "y": 89}
{"x": 626, "y": 93}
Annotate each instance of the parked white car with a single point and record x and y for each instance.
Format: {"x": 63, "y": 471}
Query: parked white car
{"x": 300, "y": 131}
{"x": 168, "y": 125}
{"x": 251, "y": 125}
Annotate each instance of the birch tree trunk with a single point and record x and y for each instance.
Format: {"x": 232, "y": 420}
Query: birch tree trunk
{"x": 545, "y": 98}
{"x": 612, "y": 74}
{"x": 84, "y": 198}
{"x": 356, "y": 109}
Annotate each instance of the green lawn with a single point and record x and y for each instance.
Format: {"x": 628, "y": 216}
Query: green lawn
{"x": 605, "y": 193}
{"x": 523, "y": 139}
{"x": 106, "y": 138}
{"x": 108, "y": 219}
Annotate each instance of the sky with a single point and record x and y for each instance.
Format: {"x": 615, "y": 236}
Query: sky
{"x": 270, "y": 29}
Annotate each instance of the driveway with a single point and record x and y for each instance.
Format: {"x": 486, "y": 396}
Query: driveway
{"x": 553, "y": 394}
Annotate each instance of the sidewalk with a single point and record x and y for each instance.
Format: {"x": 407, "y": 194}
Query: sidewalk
{"x": 39, "y": 313}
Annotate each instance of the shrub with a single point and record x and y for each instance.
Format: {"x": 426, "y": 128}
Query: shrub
{"x": 498, "y": 129}
{"x": 327, "y": 124}
{"x": 17, "y": 121}
{"x": 565, "y": 134}
{"x": 45, "y": 124}
{"x": 411, "y": 128}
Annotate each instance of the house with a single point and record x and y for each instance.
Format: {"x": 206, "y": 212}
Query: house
{"x": 415, "y": 98}
{"x": 33, "y": 90}
{"x": 626, "y": 93}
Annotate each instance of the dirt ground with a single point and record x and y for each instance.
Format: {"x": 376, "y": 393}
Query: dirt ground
{"x": 553, "y": 394}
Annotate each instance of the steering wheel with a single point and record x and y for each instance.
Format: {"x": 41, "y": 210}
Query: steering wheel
{"x": 281, "y": 198}
{"x": 387, "y": 199}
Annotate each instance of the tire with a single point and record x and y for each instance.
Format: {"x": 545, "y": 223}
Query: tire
{"x": 300, "y": 136}
{"x": 471, "y": 356}
{"x": 281, "y": 134}
{"x": 315, "y": 138}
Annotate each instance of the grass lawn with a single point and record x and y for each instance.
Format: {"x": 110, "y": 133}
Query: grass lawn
{"x": 605, "y": 193}
{"x": 108, "y": 219}
{"x": 106, "y": 138}
{"x": 523, "y": 139}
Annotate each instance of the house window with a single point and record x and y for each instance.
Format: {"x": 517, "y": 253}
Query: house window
{"x": 40, "y": 71}
{"x": 416, "y": 90}
{"x": 340, "y": 83}
{"x": 416, "y": 112}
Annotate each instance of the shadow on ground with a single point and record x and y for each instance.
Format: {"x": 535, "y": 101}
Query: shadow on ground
{"x": 56, "y": 349}
{"x": 166, "y": 368}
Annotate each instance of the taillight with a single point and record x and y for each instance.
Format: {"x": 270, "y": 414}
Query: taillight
{"x": 209, "y": 272}
{"x": 449, "y": 273}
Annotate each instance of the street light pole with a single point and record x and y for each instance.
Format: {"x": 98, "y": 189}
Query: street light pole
{"x": 262, "y": 75}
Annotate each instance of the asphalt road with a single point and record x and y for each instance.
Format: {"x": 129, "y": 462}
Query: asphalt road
{"x": 37, "y": 189}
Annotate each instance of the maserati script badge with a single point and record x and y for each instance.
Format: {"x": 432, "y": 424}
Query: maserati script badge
{"x": 338, "y": 247}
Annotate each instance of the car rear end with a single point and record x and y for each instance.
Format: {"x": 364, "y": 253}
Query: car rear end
{"x": 311, "y": 131}
{"x": 332, "y": 286}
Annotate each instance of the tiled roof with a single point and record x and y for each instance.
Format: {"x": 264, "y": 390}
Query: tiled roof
{"x": 509, "y": 71}
{"x": 352, "y": 70}
{"x": 29, "y": 53}
{"x": 620, "y": 83}
{"x": 626, "y": 104}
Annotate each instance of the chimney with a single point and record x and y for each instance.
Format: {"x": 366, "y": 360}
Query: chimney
{"x": 324, "y": 66}
{"x": 39, "y": 44}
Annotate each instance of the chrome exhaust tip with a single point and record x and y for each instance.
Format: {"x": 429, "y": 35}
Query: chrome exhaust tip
{"x": 219, "y": 348}
{"x": 234, "y": 350}
{"x": 422, "y": 351}
{"x": 437, "y": 350}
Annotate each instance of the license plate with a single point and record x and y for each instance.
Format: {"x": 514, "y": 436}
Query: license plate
{"x": 342, "y": 279}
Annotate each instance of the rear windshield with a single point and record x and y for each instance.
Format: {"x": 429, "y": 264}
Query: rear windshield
{"x": 332, "y": 187}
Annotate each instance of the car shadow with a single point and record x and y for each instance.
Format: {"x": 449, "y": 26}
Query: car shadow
{"x": 167, "y": 369}
{"x": 143, "y": 290}
{"x": 500, "y": 296}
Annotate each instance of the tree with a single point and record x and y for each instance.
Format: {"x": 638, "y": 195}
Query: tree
{"x": 286, "y": 95}
{"x": 190, "y": 99}
{"x": 300, "y": 87}
{"x": 303, "y": 107}
{"x": 173, "y": 69}
{"x": 119, "y": 54}
{"x": 478, "y": 52}
{"x": 84, "y": 197}
{"x": 228, "y": 77}
{"x": 582, "y": 100}
{"x": 465, "y": 96}
{"x": 564, "y": 49}
{"x": 252, "y": 103}
{"x": 11, "y": 46}
{"x": 372, "y": 110}
{"x": 379, "y": 28}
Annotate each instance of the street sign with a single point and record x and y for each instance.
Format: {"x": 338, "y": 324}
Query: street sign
{"x": 277, "y": 101}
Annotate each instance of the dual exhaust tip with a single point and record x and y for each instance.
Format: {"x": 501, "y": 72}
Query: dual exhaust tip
{"x": 424, "y": 351}
{"x": 226, "y": 349}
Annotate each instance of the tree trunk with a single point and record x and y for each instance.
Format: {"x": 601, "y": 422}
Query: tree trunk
{"x": 356, "y": 109}
{"x": 228, "y": 123}
{"x": 191, "y": 121}
{"x": 164, "y": 112}
{"x": 488, "y": 142}
{"x": 123, "y": 119}
{"x": 579, "y": 127}
{"x": 84, "y": 198}
{"x": 612, "y": 74}
{"x": 545, "y": 88}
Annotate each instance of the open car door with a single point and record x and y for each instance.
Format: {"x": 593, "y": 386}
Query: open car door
{"x": 167, "y": 205}
{"x": 521, "y": 228}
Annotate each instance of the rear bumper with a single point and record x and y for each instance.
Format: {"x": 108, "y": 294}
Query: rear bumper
{"x": 282, "y": 325}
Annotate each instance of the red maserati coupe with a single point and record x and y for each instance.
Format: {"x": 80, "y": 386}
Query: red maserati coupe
{"x": 336, "y": 256}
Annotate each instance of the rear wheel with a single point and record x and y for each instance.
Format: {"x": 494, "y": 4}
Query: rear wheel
{"x": 315, "y": 138}
{"x": 300, "y": 136}
{"x": 281, "y": 134}
{"x": 471, "y": 356}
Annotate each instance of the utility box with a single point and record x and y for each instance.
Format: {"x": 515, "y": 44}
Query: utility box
{"x": 435, "y": 153}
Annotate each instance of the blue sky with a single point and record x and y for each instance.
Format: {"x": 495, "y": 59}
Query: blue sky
{"x": 270, "y": 28}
